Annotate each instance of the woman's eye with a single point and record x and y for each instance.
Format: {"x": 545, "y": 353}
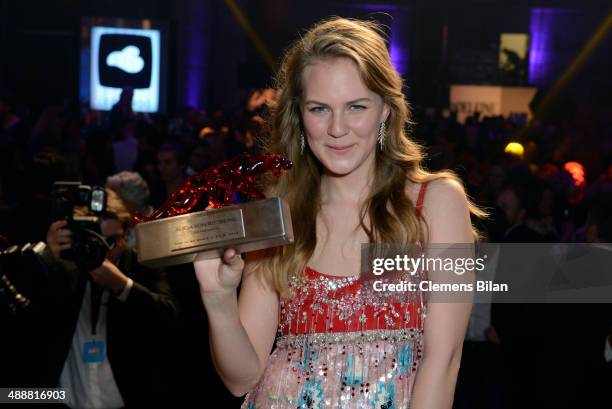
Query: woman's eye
{"x": 358, "y": 107}
{"x": 317, "y": 109}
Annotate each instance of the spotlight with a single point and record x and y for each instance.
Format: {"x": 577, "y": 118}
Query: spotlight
{"x": 515, "y": 148}
{"x": 577, "y": 171}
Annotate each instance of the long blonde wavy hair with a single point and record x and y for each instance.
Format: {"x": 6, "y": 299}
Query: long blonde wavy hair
{"x": 392, "y": 214}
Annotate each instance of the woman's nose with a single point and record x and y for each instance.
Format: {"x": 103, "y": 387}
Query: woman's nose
{"x": 337, "y": 127}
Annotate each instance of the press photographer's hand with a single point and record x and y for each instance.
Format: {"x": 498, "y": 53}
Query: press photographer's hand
{"x": 109, "y": 276}
{"x": 59, "y": 238}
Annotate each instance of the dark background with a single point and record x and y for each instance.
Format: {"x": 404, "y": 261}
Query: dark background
{"x": 213, "y": 63}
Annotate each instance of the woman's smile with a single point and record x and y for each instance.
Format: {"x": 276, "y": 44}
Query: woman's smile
{"x": 341, "y": 149}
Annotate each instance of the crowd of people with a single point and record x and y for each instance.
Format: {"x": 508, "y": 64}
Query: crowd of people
{"x": 60, "y": 145}
{"x": 533, "y": 196}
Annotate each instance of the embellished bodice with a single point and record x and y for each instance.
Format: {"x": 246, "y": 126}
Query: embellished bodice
{"x": 341, "y": 345}
{"x": 323, "y": 303}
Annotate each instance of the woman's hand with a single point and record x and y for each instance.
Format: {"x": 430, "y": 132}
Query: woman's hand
{"x": 219, "y": 275}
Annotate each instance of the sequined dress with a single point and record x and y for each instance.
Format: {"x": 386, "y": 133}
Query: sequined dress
{"x": 341, "y": 346}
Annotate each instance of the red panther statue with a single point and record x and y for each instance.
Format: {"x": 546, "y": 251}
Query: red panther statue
{"x": 228, "y": 177}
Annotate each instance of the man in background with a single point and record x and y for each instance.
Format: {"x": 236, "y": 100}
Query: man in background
{"x": 107, "y": 342}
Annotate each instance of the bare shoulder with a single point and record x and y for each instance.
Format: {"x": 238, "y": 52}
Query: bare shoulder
{"x": 445, "y": 190}
{"x": 446, "y": 211}
{"x": 441, "y": 189}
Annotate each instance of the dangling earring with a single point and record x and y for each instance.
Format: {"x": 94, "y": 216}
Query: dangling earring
{"x": 302, "y": 143}
{"x": 382, "y": 132}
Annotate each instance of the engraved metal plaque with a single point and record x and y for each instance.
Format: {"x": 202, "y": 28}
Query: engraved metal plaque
{"x": 205, "y": 228}
{"x": 246, "y": 227}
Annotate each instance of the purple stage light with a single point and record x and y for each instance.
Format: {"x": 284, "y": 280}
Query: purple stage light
{"x": 193, "y": 65}
{"x": 195, "y": 68}
{"x": 541, "y": 28}
{"x": 398, "y": 51}
{"x": 194, "y": 78}
{"x": 398, "y": 47}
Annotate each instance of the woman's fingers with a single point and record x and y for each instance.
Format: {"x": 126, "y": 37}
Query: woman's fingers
{"x": 231, "y": 256}
{"x": 229, "y": 253}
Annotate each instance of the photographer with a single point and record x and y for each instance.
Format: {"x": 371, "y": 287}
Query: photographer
{"x": 109, "y": 323}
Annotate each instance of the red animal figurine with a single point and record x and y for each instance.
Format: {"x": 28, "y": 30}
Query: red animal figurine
{"x": 218, "y": 184}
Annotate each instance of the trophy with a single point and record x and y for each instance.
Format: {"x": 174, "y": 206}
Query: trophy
{"x": 171, "y": 235}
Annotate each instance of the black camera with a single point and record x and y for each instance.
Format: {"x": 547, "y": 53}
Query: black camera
{"x": 20, "y": 267}
{"x": 89, "y": 247}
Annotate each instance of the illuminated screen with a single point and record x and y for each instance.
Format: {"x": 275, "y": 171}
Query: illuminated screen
{"x": 125, "y": 57}
{"x": 513, "y": 58}
{"x": 513, "y": 49}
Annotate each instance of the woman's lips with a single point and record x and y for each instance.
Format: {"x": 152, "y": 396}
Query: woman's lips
{"x": 341, "y": 149}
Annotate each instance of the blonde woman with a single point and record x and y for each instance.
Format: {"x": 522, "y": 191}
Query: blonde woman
{"x": 341, "y": 118}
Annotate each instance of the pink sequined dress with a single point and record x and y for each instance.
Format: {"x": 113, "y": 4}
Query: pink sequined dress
{"x": 339, "y": 346}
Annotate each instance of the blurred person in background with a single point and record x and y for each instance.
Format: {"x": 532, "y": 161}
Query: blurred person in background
{"x": 12, "y": 129}
{"x": 122, "y": 111}
{"x": 171, "y": 168}
{"x": 125, "y": 147}
{"x": 528, "y": 208}
{"x": 597, "y": 366}
{"x": 108, "y": 341}
{"x": 201, "y": 156}
{"x": 134, "y": 191}
{"x": 98, "y": 160}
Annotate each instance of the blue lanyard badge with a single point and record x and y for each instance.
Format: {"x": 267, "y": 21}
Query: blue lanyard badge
{"x": 93, "y": 351}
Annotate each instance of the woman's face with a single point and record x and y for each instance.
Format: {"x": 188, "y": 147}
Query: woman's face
{"x": 339, "y": 111}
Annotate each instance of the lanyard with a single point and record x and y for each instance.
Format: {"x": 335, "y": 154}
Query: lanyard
{"x": 96, "y": 301}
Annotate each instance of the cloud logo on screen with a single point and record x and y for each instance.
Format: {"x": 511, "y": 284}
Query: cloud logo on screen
{"x": 124, "y": 60}
{"x": 128, "y": 59}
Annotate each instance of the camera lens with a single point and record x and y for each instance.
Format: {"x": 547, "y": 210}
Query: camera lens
{"x": 90, "y": 253}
